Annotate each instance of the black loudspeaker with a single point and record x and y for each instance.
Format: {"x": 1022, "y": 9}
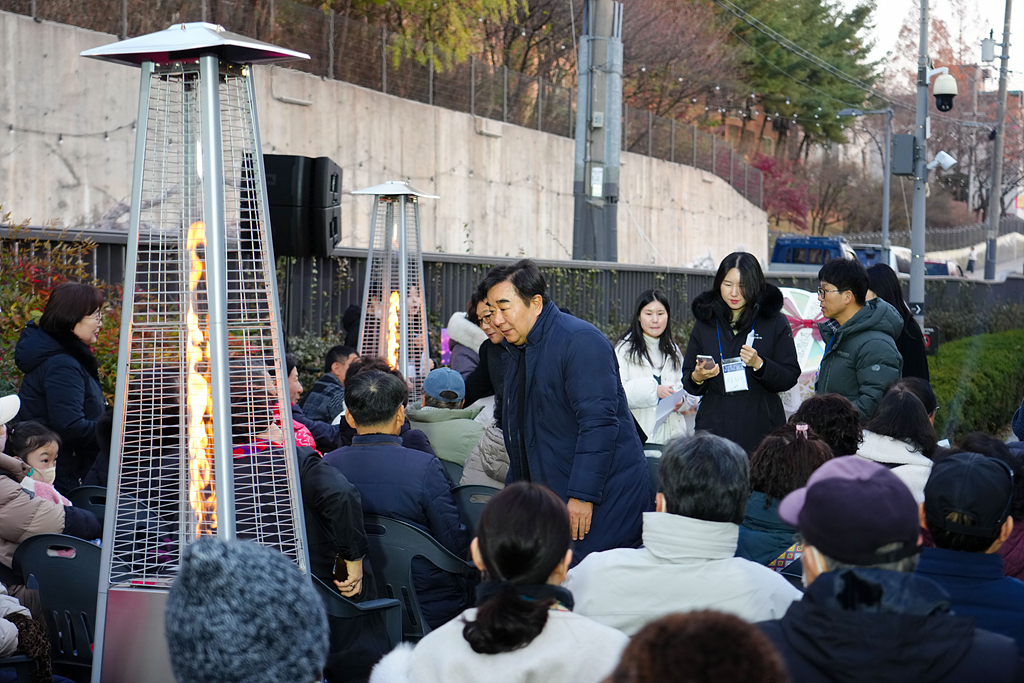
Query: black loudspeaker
{"x": 304, "y": 197}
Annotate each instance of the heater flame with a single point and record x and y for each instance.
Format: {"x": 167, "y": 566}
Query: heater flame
{"x": 393, "y": 330}
{"x": 201, "y": 494}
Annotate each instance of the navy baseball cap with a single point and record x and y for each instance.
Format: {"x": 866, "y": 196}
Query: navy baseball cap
{"x": 850, "y": 508}
{"x": 973, "y": 485}
{"x": 445, "y": 381}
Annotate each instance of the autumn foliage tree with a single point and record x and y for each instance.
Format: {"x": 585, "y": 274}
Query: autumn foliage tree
{"x": 784, "y": 191}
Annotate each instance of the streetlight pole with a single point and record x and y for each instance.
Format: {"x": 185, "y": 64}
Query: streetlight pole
{"x": 995, "y": 194}
{"x": 917, "y": 239}
{"x": 886, "y": 173}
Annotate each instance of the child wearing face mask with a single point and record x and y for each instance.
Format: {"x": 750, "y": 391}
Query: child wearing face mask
{"x": 36, "y": 445}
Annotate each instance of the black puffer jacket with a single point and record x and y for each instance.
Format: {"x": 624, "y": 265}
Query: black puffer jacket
{"x": 61, "y": 389}
{"x": 744, "y": 417}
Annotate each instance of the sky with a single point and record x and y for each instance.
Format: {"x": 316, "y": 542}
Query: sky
{"x": 890, "y": 14}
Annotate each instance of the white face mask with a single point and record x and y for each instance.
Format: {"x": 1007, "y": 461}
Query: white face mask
{"x": 47, "y": 476}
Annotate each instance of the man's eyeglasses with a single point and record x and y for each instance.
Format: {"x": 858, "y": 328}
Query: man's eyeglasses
{"x": 823, "y": 292}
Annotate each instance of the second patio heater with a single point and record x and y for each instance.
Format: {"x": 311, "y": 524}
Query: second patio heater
{"x": 200, "y": 381}
{"x": 394, "y": 319}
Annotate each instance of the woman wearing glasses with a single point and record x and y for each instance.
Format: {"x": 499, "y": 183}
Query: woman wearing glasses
{"x": 61, "y": 387}
{"x": 740, "y": 355}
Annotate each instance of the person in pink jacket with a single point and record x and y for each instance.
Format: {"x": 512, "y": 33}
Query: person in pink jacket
{"x": 37, "y": 445}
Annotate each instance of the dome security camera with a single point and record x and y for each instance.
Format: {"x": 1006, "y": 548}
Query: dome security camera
{"x": 944, "y": 91}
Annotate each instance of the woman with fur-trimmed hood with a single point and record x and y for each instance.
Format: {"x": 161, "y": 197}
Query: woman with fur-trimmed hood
{"x": 740, "y": 319}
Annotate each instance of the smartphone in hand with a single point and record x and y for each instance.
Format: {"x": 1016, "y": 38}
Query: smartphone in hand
{"x": 707, "y": 362}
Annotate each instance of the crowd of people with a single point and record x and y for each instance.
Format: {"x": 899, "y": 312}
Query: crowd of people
{"x": 845, "y": 542}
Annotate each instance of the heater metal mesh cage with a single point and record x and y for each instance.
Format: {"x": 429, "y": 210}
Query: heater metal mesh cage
{"x": 394, "y": 323}
{"x": 166, "y": 491}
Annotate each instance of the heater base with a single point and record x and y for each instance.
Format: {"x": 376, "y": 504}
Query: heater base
{"x": 134, "y": 640}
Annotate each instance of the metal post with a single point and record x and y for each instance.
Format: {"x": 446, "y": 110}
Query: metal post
{"x": 650, "y": 133}
{"x": 672, "y": 152}
{"x": 33, "y": 10}
{"x": 403, "y": 289}
{"x": 217, "y": 294}
{"x": 504, "y": 94}
{"x": 383, "y": 61}
{"x": 117, "y": 433}
{"x": 714, "y": 154}
{"x": 330, "y": 44}
{"x": 472, "y": 87}
{"x": 205, "y": 10}
{"x": 995, "y": 194}
{"x": 886, "y": 176}
{"x": 124, "y": 19}
{"x": 732, "y": 166}
{"x": 430, "y": 79}
{"x": 540, "y": 105}
{"x": 917, "y": 239}
{"x": 693, "y": 137}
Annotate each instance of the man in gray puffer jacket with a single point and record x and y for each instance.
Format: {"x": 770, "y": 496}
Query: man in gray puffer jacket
{"x": 861, "y": 359}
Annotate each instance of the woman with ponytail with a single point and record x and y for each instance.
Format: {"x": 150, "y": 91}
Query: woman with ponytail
{"x": 523, "y": 628}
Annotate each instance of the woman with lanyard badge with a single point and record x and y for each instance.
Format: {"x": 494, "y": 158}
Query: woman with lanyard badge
{"x": 740, "y": 355}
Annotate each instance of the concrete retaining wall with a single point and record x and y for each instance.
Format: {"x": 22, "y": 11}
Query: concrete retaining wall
{"x": 505, "y": 190}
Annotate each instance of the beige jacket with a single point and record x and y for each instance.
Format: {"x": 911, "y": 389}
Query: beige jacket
{"x": 22, "y": 516}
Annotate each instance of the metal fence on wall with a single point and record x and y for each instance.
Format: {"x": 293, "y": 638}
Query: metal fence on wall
{"x": 942, "y": 239}
{"x": 355, "y": 52}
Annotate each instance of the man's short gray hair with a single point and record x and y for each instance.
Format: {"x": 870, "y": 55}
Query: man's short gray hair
{"x": 705, "y": 477}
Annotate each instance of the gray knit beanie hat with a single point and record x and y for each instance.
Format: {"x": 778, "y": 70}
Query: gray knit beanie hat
{"x": 239, "y": 612}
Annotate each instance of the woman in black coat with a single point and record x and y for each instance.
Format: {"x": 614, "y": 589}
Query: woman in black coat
{"x": 740, "y": 320}
{"x": 883, "y": 284}
{"x": 61, "y": 387}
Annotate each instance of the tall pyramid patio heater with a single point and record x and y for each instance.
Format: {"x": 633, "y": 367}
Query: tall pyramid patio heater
{"x": 394, "y": 319}
{"x": 199, "y": 374}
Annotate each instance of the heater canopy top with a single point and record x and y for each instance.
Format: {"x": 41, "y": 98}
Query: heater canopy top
{"x": 190, "y": 41}
{"x": 393, "y": 188}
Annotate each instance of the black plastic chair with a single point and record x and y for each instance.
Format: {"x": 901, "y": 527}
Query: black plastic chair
{"x": 471, "y": 500}
{"x": 393, "y": 545}
{"x": 68, "y": 588}
{"x": 453, "y": 470}
{"x": 23, "y": 667}
{"x": 653, "y": 465}
{"x": 361, "y": 633}
{"x": 91, "y": 498}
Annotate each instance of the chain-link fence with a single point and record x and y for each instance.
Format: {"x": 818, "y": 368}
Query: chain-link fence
{"x": 355, "y": 52}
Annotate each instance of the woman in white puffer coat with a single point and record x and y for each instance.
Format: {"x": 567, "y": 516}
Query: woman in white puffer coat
{"x": 900, "y": 436}
{"x": 651, "y": 368}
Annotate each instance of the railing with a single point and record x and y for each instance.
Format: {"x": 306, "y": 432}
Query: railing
{"x": 940, "y": 239}
{"x": 355, "y": 52}
{"x": 316, "y": 291}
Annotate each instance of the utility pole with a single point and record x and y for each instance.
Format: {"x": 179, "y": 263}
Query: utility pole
{"x": 598, "y": 133}
{"x": 995, "y": 194}
{"x": 917, "y": 240}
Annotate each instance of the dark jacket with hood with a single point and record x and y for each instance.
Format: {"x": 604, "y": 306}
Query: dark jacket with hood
{"x": 743, "y": 417}
{"x": 861, "y": 359}
{"x": 857, "y": 625}
{"x": 567, "y": 426}
{"x": 61, "y": 389}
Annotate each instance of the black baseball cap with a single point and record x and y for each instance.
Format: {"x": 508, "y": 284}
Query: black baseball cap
{"x": 973, "y": 485}
{"x": 850, "y": 508}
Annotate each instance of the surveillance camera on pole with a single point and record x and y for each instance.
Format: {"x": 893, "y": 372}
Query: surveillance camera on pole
{"x": 946, "y": 161}
{"x": 944, "y": 91}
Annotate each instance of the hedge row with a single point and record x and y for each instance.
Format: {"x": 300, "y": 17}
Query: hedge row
{"x": 979, "y": 382}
